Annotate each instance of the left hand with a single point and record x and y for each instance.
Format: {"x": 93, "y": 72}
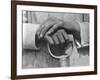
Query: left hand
{"x": 54, "y": 24}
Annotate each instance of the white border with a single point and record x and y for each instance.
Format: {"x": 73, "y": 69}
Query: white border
{"x": 21, "y": 71}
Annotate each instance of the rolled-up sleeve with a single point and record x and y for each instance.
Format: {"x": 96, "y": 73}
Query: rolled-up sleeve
{"x": 84, "y": 33}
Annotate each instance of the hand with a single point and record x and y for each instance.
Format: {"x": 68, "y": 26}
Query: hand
{"x": 51, "y": 25}
{"x": 59, "y": 37}
{"x": 59, "y": 43}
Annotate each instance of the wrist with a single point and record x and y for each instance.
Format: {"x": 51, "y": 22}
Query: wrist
{"x": 73, "y": 28}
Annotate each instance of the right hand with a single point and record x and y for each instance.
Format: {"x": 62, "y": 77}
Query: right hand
{"x": 59, "y": 43}
{"x": 57, "y": 38}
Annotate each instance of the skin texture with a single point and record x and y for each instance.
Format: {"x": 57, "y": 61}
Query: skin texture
{"x": 57, "y": 38}
{"x": 56, "y": 31}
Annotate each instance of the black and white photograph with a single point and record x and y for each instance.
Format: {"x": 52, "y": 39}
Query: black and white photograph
{"x": 55, "y": 40}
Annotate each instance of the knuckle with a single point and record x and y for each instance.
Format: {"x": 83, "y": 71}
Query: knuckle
{"x": 63, "y": 41}
{"x": 60, "y": 22}
{"x": 60, "y": 31}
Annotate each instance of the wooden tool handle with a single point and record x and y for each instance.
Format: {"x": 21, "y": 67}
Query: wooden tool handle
{"x": 64, "y": 62}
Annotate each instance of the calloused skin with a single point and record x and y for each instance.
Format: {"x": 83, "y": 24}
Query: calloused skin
{"x": 56, "y": 31}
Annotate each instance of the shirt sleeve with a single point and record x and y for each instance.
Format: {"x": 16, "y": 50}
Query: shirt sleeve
{"x": 84, "y": 33}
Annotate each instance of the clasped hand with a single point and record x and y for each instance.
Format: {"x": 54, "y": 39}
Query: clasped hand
{"x": 56, "y": 31}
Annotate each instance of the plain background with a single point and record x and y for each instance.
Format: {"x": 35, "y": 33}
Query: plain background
{"x": 5, "y": 40}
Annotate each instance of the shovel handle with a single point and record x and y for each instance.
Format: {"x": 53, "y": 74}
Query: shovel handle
{"x": 64, "y": 62}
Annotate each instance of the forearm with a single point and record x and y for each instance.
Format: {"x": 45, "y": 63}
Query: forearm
{"x": 73, "y": 28}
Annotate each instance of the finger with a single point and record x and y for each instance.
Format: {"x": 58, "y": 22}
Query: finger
{"x": 46, "y": 27}
{"x": 60, "y": 36}
{"x": 55, "y": 27}
{"x": 65, "y": 35}
{"x": 49, "y": 39}
{"x": 42, "y": 26}
{"x": 39, "y": 30}
{"x": 49, "y": 24}
{"x": 56, "y": 41}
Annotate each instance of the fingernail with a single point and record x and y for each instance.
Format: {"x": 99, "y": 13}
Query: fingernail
{"x": 38, "y": 33}
{"x": 48, "y": 32}
{"x": 41, "y": 35}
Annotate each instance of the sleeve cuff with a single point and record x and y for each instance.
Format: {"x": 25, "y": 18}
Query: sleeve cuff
{"x": 84, "y": 33}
